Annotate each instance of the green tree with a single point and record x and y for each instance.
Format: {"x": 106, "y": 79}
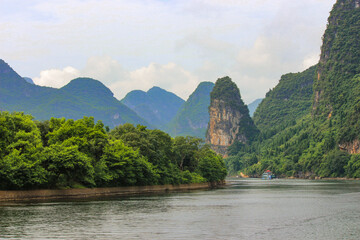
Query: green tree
{"x": 185, "y": 149}
{"x": 352, "y": 169}
{"x": 127, "y": 167}
{"x": 334, "y": 163}
{"x": 90, "y": 138}
{"x": 211, "y": 166}
{"x": 21, "y": 171}
{"x": 67, "y": 166}
{"x": 20, "y": 144}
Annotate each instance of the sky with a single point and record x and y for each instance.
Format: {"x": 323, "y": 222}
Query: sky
{"x": 173, "y": 44}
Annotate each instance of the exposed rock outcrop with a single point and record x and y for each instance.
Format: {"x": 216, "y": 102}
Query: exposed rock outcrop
{"x": 229, "y": 117}
{"x": 351, "y": 147}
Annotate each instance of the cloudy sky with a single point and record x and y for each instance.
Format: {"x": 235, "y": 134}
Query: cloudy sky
{"x": 173, "y": 44}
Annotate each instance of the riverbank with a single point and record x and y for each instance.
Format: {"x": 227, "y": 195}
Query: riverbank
{"x": 307, "y": 178}
{"x": 84, "y": 193}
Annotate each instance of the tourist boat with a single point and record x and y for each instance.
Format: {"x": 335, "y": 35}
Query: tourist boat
{"x": 267, "y": 175}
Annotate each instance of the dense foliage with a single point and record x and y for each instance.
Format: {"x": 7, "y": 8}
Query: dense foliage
{"x": 303, "y": 141}
{"x": 193, "y": 117}
{"x": 285, "y": 103}
{"x": 61, "y": 153}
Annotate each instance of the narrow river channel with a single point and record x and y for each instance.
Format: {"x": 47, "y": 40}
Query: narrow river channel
{"x": 245, "y": 209}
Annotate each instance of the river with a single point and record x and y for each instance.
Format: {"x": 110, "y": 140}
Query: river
{"x": 245, "y": 209}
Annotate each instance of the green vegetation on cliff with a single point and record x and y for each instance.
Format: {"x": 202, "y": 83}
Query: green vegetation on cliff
{"x": 286, "y": 102}
{"x": 297, "y": 140}
{"x": 61, "y": 153}
{"x": 225, "y": 90}
{"x": 337, "y": 87}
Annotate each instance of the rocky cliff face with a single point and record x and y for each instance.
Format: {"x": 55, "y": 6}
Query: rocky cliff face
{"x": 351, "y": 147}
{"x": 339, "y": 56}
{"x": 229, "y": 117}
{"x": 223, "y": 126}
{"x": 336, "y": 88}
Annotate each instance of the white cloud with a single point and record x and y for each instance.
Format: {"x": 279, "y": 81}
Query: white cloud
{"x": 150, "y": 42}
{"x": 56, "y": 77}
{"x": 310, "y": 60}
{"x": 106, "y": 69}
{"x": 171, "y": 77}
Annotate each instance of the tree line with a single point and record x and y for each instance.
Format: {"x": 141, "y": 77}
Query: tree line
{"x": 67, "y": 153}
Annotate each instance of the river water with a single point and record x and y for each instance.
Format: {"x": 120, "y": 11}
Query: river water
{"x": 245, "y": 209}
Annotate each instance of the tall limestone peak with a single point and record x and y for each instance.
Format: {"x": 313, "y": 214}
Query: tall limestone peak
{"x": 339, "y": 59}
{"x": 337, "y": 88}
{"x": 230, "y": 121}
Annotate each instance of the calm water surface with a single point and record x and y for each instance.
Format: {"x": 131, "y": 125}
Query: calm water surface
{"x": 246, "y": 209}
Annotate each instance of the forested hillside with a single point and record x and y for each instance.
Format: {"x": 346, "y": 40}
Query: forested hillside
{"x": 285, "y": 103}
{"x": 317, "y": 136}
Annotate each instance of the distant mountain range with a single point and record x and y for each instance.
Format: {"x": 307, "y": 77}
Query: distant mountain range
{"x": 81, "y": 97}
{"x": 157, "y": 106}
{"x": 29, "y": 80}
{"x": 253, "y": 106}
{"x": 193, "y": 116}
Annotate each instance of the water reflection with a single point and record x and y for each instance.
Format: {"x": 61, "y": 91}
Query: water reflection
{"x": 256, "y": 209}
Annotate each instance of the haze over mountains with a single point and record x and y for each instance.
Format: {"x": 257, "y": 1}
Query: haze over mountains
{"x": 157, "y": 105}
{"x": 81, "y": 97}
{"x": 193, "y": 116}
{"x": 253, "y": 106}
{"x": 156, "y": 108}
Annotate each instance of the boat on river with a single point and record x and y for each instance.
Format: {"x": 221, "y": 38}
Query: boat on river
{"x": 268, "y": 175}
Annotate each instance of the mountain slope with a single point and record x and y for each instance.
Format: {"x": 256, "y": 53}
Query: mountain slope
{"x": 81, "y": 97}
{"x": 286, "y": 102}
{"x": 253, "y": 106}
{"x": 323, "y": 141}
{"x": 29, "y": 80}
{"x": 156, "y": 106}
{"x": 336, "y": 88}
{"x": 193, "y": 117}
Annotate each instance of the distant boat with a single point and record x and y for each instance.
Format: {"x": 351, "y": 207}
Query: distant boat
{"x": 267, "y": 175}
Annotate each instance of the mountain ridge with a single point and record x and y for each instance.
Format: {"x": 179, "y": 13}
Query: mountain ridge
{"x": 70, "y": 101}
{"x": 322, "y": 140}
{"x": 150, "y": 105}
{"x": 193, "y": 117}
